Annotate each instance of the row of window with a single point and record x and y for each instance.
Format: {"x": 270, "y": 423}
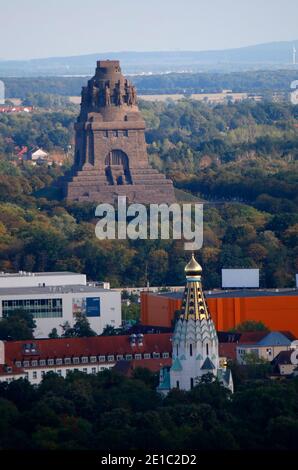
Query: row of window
{"x": 40, "y": 374}
{"x": 242, "y": 352}
{"x": 91, "y": 359}
{"x": 116, "y": 133}
{"x": 39, "y": 308}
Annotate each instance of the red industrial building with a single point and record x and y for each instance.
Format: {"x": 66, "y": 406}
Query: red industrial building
{"x": 277, "y": 309}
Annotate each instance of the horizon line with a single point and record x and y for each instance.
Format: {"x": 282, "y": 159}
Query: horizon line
{"x": 148, "y": 51}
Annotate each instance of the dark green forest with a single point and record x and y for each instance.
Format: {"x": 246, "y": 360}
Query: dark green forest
{"x": 266, "y": 81}
{"x": 240, "y": 159}
{"x": 109, "y": 411}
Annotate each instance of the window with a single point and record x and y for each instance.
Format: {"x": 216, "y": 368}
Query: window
{"x": 207, "y": 349}
{"x": 156, "y": 355}
{"x": 18, "y": 364}
{"x": 50, "y": 362}
{"x": 34, "y": 363}
{"x": 34, "y": 375}
{"x": 26, "y": 363}
{"x": 85, "y": 370}
{"x": 177, "y": 384}
{"x": 191, "y": 383}
{"x": 125, "y": 133}
{"x": 119, "y": 357}
{"x": 177, "y": 350}
{"x": 93, "y": 370}
{"x": 93, "y": 359}
{"x": 59, "y": 372}
{"x": 42, "y": 362}
{"x": 101, "y": 358}
{"x": 59, "y": 362}
{"x": 40, "y": 308}
{"x": 84, "y": 359}
{"x": 138, "y": 356}
{"x": 43, "y": 373}
{"x": 106, "y": 133}
{"x": 147, "y": 356}
{"x": 67, "y": 360}
{"x": 76, "y": 360}
{"x": 190, "y": 349}
{"x": 111, "y": 358}
{"x": 128, "y": 357}
{"x": 165, "y": 355}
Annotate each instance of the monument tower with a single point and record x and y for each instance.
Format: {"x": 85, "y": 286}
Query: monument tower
{"x": 110, "y": 150}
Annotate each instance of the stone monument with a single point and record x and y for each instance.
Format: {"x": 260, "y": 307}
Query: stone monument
{"x": 110, "y": 150}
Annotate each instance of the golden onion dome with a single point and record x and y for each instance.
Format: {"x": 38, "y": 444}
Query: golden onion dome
{"x": 193, "y": 268}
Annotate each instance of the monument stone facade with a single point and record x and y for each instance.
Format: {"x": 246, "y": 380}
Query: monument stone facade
{"x": 111, "y": 157}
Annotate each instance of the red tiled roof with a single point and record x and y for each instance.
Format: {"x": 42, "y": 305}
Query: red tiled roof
{"x": 255, "y": 336}
{"x": 22, "y": 151}
{"x": 154, "y": 365}
{"x": 97, "y": 345}
{"x": 14, "y": 370}
{"x": 15, "y": 109}
{"x": 227, "y": 350}
{"x": 252, "y": 337}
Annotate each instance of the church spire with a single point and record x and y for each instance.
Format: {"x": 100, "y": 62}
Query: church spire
{"x": 195, "y": 342}
{"x": 194, "y": 306}
{"x": 193, "y": 268}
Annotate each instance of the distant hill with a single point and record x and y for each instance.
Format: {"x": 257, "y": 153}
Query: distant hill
{"x": 270, "y": 55}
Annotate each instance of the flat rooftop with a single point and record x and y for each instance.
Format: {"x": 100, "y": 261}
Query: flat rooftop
{"x": 29, "y": 274}
{"x": 239, "y": 293}
{"x": 36, "y": 290}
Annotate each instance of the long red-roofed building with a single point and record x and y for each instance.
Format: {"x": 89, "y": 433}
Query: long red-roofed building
{"x": 34, "y": 358}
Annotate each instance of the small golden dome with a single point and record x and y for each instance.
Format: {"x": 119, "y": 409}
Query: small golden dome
{"x": 193, "y": 268}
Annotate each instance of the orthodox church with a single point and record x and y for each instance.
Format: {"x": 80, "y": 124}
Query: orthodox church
{"x": 195, "y": 341}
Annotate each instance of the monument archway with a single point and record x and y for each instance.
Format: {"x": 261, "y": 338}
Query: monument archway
{"x": 117, "y": 167}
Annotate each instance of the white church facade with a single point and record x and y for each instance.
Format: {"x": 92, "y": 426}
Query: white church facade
{"x": 195, "y": 342}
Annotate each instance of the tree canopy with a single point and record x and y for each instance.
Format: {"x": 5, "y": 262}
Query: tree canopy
{"x": 110, "y": 411}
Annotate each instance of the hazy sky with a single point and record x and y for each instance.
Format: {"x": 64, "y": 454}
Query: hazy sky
{"x": 37, "y": 28}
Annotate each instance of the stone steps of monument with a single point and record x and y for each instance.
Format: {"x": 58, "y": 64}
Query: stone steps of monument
{"x": 103, "y": 181}
{"x": 148, "y": 177}
{"x": 144, "y": 171}
{"x": 86, "y": 183}
{"x": 105, "y": 193}
{"x": 95, "y": 174}
{"x": 134, "y": 171}
{"x": 98, "y": 179}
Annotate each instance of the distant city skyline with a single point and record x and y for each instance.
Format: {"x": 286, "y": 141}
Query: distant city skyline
{"x": 35, "y": 29}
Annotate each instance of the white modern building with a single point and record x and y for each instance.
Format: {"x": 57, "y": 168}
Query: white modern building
{"x": 28, "y": 279}
{"x": 57, "y": 298}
